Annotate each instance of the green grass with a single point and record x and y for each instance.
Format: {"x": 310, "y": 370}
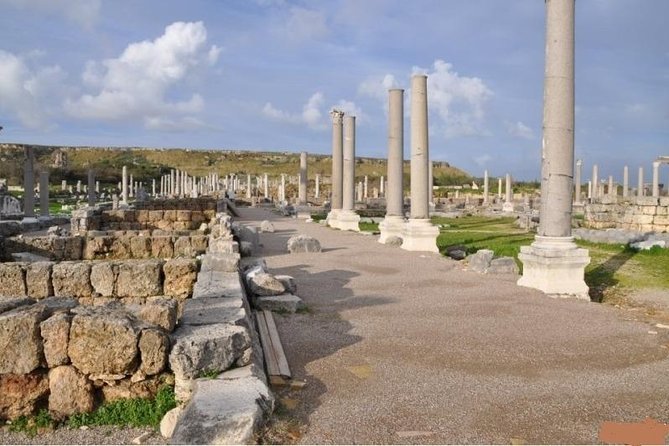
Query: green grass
{"x": 134, "y": 412}
{"x": 210, "y": 374}
{"x": 318, "y": 217}
{"x": 31, "y": 425}
{"x": 368, "y": 227}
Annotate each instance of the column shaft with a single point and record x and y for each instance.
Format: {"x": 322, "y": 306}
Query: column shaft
{"x": 349, "y": 164}
{"x": 303, "y": 179}
{"x": 394, "y": 195}
{"x": 419, "y": 148}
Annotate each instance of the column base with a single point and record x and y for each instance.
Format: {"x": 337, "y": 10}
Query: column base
{"x": 556, "y": 266}
{"x": 420, "y": 235}
{"x": 391, "y": 226}
{"x": 29, "y": 220}
{"x": 507, "y": 207}
{"x": 332, "y": 219}
{"x": 348, "y": 221}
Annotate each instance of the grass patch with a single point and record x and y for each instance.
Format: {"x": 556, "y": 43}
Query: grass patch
{"x": 209, "y": 374}
{"x": 32, "y": 425}
{"x": 368, "y": 227}
{"x": 318, "y": 217}
{"x": 134, "y": 412}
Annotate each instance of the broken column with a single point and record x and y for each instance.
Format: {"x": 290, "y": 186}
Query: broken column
{"x": 485, "y": 186}
{"x": 553, "y": 263}
{"x": 626, "y": 181}
{"x": 419, "y": 233}
{"x": 348, "y": 220}
{"x": 249, "y": 186}
{"x": 508, "y": 201}
{"x": 337, "y": 168}
{"x": 44, "y": 193}
{"x": 302, "y": 196}
{"x": 640, "y": 191}
{"x": 393, "y": 223}
{"x": 91, "y": 187}
{"x": 124, "y": 186}
{"x": 656, "y": 179}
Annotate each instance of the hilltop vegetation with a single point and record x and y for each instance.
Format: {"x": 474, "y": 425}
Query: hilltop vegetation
{"x": 147, "y": 163}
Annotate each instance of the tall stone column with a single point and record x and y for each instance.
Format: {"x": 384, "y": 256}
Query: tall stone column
{"x": 124, "y": 186}
{"x": 485, "y": 186}
{"x": 610, "y": 190}
{"x": 153, "y": 187}
{"x": 508, "y": 199}
{"x": 132, "y": 187}
{"x": 29, "y": 185}
{"x": 595, "y": 182}
{"x": 577, "y": 182}
{"x": 348, "y": 220}
{"x": 265, "y": 185}
{"x": 419, "y": 233}
{"x": 640, "y": 191}
{"x": 91, "y": 188}
{"x": 382, "y": 188}
{"x": 283, "y": 187}
{"x": 393, "y": 223}
{"x": 626, "y": 182}
{"x": 317, "y": 192}
{"x": 249, "y": 186}
{"x": 302, "y": 196}
{"x": 430, "y": 181}
{"x": 336, "y": 201}
{"x": 553, "y": 263}
{"x": 44, "y": 193}
{"x": 656, "y": 179}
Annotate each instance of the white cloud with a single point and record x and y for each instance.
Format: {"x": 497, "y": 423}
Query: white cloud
{"x": 377, "y": 87}
{"x": 482, "y": 160}
{"x": 32, "y": 95}
{"x": 304, "y": 25}
{"x": 519, "y": 130}
{"x": 311, "y": 112}
{"x": 137, "y": 84}
{"x": 350, "y": 108}
{"x": 82, "y": 12}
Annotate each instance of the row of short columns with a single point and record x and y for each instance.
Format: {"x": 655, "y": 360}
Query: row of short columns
{"x": 595, "y": 185}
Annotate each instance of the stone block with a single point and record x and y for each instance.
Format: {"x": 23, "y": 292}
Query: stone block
{"x": 222, "y": 246}
{"x": 140, "y": 247}
{"x": 127, "y": 389}
{"x": 645, "y": 201}
{"x": 55, "y": 332}
{"x": 139, "y": 278}
{"x": 160, "y": 312}
{"x": 12, "y": 281}
{"x": 503, "y": 265}
{"x": 180, "y": 276}
{"x": 142, "y": 216}
{"x": 120, "y": 248}
{"x": 162, "y": 247}
{"x": 21, "y": 395}
{"x": 20, "y": 341}
{"x": 10, "y": 303}
{"x": 661, "y": 220}
{"x": 303, "y": 243}
{"x": 288, "y": 283}
{"x": 170, "y": 215}
{"x": 266, "y": 226}
{"x": 153, "y": 348}
{"x": 199, "y": 244}
{"x": 38, "y": 279}
{"x": 97, "y": 247}
{"x": 664, "y": 202}
{"x": 264, "y": 284}
{"x": 480, "y": 261}
{"x": 103, "y": 342}
{"x": 284, "y": 303}
{"x": 218, "y": 284}
{"x": 103, "y": 278}
{"x": 182, "y": 247}
{"x": 183, "y": 215}
{"x": 70, "y": 392}
{"x": 71, "y": 279}
{"x": 155, "y": 216}
{"x": 207, "y": 311}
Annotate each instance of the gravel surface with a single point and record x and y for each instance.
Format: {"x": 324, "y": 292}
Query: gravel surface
{"x": 406, "y": 347}
{"x": 91, "y": 435}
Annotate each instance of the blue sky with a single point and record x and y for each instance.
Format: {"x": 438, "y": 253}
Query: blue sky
{"x": 262, "y": 75}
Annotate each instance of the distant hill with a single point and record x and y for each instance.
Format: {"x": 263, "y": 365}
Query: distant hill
{"x": 71, "y": 163}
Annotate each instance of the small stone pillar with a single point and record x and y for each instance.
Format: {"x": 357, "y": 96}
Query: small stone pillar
{"x": 302, "y": 197}
{"x": 29, "y": 185}
{"x": 595, "y": 182}
{"x": 124, "y": 186}
{"x": 553, "y": 263}
{"x": 78, "y": 186}
{"x": 656, "y": 179}
{"x": 485, "y": 186}
{"x": 577, "y": 182}
{"x": 348, "y": 220}
{"x": 44, "y": 193}
{"x": 91, "y": 188}
{"x": 508, "y": 201}
{"x": 317, "y": 192}
{"x": 626, "y": 182}
{"x": 63, "y": 185}
{"x": 499, "y": 188}
{"x": 249, "y": 186}
{"x": 393, "y": 223}
{"x": 172, "y": 182}
{"x": 640, "y": 191}
{"x": 265, "y": 185}
{"x": 419, "y": 233}
{"x": 336, "y": 201}
{"x": 382, "y": 189}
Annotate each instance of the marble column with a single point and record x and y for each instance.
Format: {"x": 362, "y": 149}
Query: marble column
{"x": 640, "y": 191}
{"x": 44, "y": 193}
{"x": 553, "y": 263}
{"x": 153, "y": 187}
{"x": 91, "y": 188}
{"x": 393, "y": 223}
{"x": 365, "y": 188}
{"x": 595, "y": 182}
{"x": 131, "y": 192}
{"x": 589, "y": 190}
{"x": 430, "y": 181}
{"x": 348, "y": 220}
{"x": 337, "y": 168}
{"x": 317, "y": 192}
{"x": 265, "y": 185}
{"x": 302, "y": 193}
{"x": 249, "y": 186}
{"x": 626, "y": 182}
{"x": 610, "y": 189}
{"x": 485, "y": 186}
{"x": 63, "y": 185}
{"x": 419, "y": 233}
{"x": 382, "y": 184}
{"x": 124, "y": 186}
{"x": 577, "y": 182}
{"x": 499, "y": 188}
{"x": 508, "y": 199}
{"x": 29, "y": 185}
{"x": 283, "y": 187}
{"x": 656, "y": 179}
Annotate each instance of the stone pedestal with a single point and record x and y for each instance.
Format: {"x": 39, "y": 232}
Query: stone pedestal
{"x": 348, "y": 220}
{"x": 419, "y": 234}
{"x": 556, "y": 266}
{"x": 391, "y": 226}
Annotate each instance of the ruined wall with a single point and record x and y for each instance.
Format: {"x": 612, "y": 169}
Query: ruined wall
{"x": 635, "y": 213}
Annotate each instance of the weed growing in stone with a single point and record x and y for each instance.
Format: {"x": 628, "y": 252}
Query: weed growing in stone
{"x": 210, "y": 374}
{"x": 31, "y": 425}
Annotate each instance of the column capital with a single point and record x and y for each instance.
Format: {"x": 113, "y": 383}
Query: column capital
{"x": 337, "y": 116}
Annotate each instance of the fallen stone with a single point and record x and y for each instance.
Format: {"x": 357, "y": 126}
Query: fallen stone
{"x": 222, "y": 246}
{"x": 55, "y": 332}
{"x": 225, "y": 410}
{"x": 503, "y": 265}
{"x": 20, "y": 341}
{"x": 456, "y": 252}
{"x": 141, "y": 439}
{"x": 480, "y": 260}
{"x": 207, "y": 311}
{"x": 180, "y": 275}
{"x": 648, "y": 244}
{"x": 288, "y": 283}
{"x": 21, "y": 395}
{"x": 220, "y": 262}
{"x": 169, "y": 422}
{"x": 71, "y": 279}
{"x": 285, "y": 303}
{"x": 139, "y": 278}
{"x": 394, "y": 241}
{"x": 12, "y": 283}
{"x": 153, "y": 348}
{"x": 264, "y": 284}
{"x": 183, "y": 247}
{"x": 70, "y": 392}
{"x": 266, "y": 226}
{"x": 54, "y": 231}
{"x": 28, "y": 257}
{"x": 303, "y": 243}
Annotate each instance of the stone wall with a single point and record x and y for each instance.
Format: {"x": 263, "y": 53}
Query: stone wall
{"x": 636, "y": 213}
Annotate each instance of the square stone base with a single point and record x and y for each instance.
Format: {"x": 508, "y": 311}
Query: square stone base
{"x": 331, "y": 219}
{"x": 348, "y": 221}
{"x": 420, "y": 235}
{"x": 391, "y": 226}
{"x": 556, "y": 266}
{"x": 507, "y": 207}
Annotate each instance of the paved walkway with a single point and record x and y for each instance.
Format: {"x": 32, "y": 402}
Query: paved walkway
{"x": 405, "y": 347}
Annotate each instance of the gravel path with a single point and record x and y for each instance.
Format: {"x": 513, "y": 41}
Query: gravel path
{"x": 92, "y": 435}
{"x": 405, "y": 347}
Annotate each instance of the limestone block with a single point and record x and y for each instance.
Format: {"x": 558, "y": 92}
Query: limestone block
{"x": 222, "y": 246}
{"x": 21, "y": 394}
{"x": 160, "y": 312}
{"x": 10, "y": 303}
{"x": 226, "y": 410}
{"x": 207, "y": 311}
{"x": 20, "y": 341}
{"x": 644, "y": 219}
{"x": 183, "y": 215}
{"x": 142, "y": 215}
{"x": 303, "y": 243}
{"x": 103, "y": 342}
{"x": 140, "y": 247}
{"x": 126, "y": 389}
{"x": 288, "y": 283}
{"x": 162, "y": 247}
{"x": 71, "y": 279}
{"x": 153, "y": 348}
{"x": 206, "y": 348}
{"x": 218, "y": 284}
{"x": 103, "y": 278}
{"x": 503, "y": 265}
{"x": 197, "y": 217}
{"x": 199, "y": 244}
{"x": 139, "y": 278}
{"x": 70, "y": 392}
{"x": 264, "y": 284}
{"x": 12, "y": 282}
{"x": 169, "y": 422}
{"x": 55, "y": 332}
{"x": 480, "y": 261}
{"x": 649, "y": 210}
{"x": 38, "y": 279}
{"x": 285, "y": 303}
{"x": 661, "y": 220}
{"x": 97, "y": 247}
{"x": 645, "y": 201}
{"x": 155, "y": 216}
{"x": 180, "y": 275}
{"x": 664, "y": 201}
{"x": 70, "y": 248}
{"x": 170, "y": 215}
{"x": 182, "y": 247}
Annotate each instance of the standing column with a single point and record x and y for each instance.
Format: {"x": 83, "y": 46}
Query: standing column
{"x": 337, "y": 168}
{"x": 640, "y": 190}
{"x": 595, "y": 182}
{"x": 348, "y": 219}
{"x": 485, "y": 186}
{"x": 248, "y": 185}
{"x": 610, "y": 190}
{"x": 91, "y": 187}
{"x": 553, "y": 263}
{"x": 153, "y": 187}
{"x": 499, "y": 188}
{"x": 656, "y": 179}
{"x": 577, "y": 182}
{"x": 132, "y": 187}
{"x": 302, "y": 195}
{"x": 626, "y": 182}
{"x": 124, "y": 186}
{"x": 28, "y": 185}
{"x": 44, "y": 193}
{"x": 430, "y": 181}
{"x": 382, "y": 187}
{"x": 283, "y": 187}
{"x": 508, "y": 199}
{"x": 317, "y": 193}
{"x": 365, "y": 188}
{"x": 265, "y": 186}
{"x": 419, "y": 234}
